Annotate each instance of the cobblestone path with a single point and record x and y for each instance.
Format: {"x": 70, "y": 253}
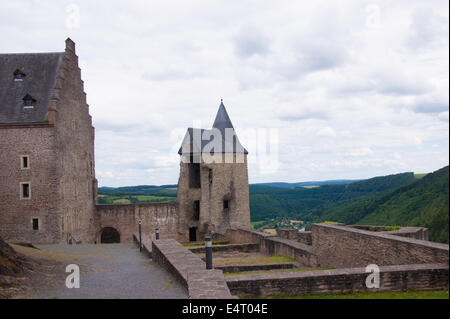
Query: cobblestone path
{"x": 111, "y": 271}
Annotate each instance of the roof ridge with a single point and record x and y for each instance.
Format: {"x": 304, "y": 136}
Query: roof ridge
{"x": 28, "y": 53}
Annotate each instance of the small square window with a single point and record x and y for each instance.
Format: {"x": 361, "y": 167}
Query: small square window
{"x": 35, "y": 224}
{"x": 25, "y": 162}
{"x": 225, "y": 204}
{"x": 25, "y": 190}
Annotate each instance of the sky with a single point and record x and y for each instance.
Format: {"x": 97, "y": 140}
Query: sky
{"x": 316, "y": 90}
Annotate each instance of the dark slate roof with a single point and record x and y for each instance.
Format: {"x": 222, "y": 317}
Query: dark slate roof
{"x": 222, "y": 120}
{"x": 40, "y": 71}
{"x": 201, "y": 138}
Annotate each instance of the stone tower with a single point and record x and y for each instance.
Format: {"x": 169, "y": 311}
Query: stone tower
{"x": 213, "y": 192}
{"x": 47, "y": 171}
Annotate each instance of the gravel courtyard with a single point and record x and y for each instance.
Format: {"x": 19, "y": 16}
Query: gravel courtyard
{"x": 110, "y": 271}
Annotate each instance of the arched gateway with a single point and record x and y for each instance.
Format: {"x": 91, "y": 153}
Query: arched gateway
{"x": 110, "y": 235}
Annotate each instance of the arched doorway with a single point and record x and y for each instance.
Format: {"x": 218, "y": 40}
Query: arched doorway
{"x": 110, "y": 236}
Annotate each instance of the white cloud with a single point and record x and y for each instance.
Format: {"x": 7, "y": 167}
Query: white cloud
{"x": 326, "y": 132}
{"x": 350, "y": 99}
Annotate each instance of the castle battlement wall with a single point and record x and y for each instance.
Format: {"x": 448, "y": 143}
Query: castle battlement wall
{"x": 125, "y": 217}
{"x": 341, "y": 246}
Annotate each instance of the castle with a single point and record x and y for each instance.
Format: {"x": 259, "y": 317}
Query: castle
{"x": 48, "y": 188}
{"x": 48, "y": 194}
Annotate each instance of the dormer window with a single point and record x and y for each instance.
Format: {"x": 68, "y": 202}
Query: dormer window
{"x": 28, "y": 101}
{"x": 18, "y": 75}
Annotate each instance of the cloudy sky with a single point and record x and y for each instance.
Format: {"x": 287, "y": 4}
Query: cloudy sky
{"x": 350, "y": 90}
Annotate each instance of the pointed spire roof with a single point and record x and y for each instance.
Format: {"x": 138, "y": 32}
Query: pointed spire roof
{"x": 222, "y": 120}
{"x": 194, "y": 141}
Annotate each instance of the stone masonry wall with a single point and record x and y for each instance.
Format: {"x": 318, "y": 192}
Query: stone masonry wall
{"x": 218, "y": 182}
{"x": 304, "y": 237}
{"x": 124, "y": 218}
{"x": 348, "y": 280}
{"x": 75, "y": 152}
{"x": 16, "y": 214}
{"x": 411, "y": 232}
{"x": 273, "y": 245}
{"x": 340, "y": 246}
{"x": 190, "y": 270}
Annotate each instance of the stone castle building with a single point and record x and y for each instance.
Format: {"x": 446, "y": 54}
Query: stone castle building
{"x": 47, "y": 175}
{"x": 213, "y": 189}
{"x": 48, "y": 188}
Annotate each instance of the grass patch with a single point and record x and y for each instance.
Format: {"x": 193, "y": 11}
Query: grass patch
{"x": 420, "y": 175}
{"x": 254, "y": 260}
{"x": 391, "y": 228}
{"x": 42, "y": 254}
{"x": 275, "y": 271}
{"x": 187, "y": 245}
{"x": 412, "y": 294}
{"x": 122, "y": 201}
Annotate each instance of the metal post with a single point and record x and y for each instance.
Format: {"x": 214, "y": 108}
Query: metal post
{"x": 140, "y": 235}
{"x": 157, "y": 233}
{"x": 208, "y": 251}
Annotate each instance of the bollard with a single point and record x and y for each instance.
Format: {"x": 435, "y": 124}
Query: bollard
{"x": 208, "y": 251}
{"x": 157, "y": 233}
{"x": 140, "y": 235}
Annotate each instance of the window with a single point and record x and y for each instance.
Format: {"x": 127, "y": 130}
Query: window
{"x": 35, "y": 224}
{"x": 225, "y": 204}
{"x": 18, "y": 75}
{"x": 194, "y": 175}
{"x": 28, "y": 101}
{"x": 210, "y": 175}
{"x": 196, "y": 210}
{"x": 25, "y": 161}
{"x": 25, "y": 190}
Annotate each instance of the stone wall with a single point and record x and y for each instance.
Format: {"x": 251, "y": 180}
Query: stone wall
{"x": 75, "y": 164}
{"x": 349, "y": 280}
{"x": 61, "y": 169}
{"x": 218, "y": 182}
{"x": 273, "y": 245}
{"x": 304, "y": 237}
{"x": 340, "y": 246}
{"x": 16, "y": 214}
{"x": 190, "y": 270}
{"x": 125, "y": 217}
{"x": 411, "y": 232}
{"x": 300, "y": 252}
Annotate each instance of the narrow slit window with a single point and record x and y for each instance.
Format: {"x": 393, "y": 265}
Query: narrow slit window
{"x": 25, "y": 162}
{"x": 35, "y": 224}
{"x": 25, "y": 190}
{"x": 226, "y": 204}
{"x": 196, "y": 210}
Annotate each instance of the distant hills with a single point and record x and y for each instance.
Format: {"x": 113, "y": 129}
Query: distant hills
{"x": 423, "y": 203}
{"x": 398, "y": 200}
{"x": 310, "y": 203}
{"x": 312, "y": 183}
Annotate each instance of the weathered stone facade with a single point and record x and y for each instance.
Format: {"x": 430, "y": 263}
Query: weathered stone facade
{"x": 57, "y": 137}
{"x": 125, "y": 219}
{"x": 213, "y": 191}
{"x": 339, "y": 246}
{"x": 53, "y": 130}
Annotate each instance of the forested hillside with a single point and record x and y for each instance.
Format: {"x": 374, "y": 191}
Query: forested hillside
{"x": 423, "y": 203}
{"x": 309, "y": 203}
{"x": 397, "y": 200}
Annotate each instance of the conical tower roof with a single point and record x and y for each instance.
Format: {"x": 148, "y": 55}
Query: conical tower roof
{"x": 227, "y": 143}
{"x": 222, "y": 120}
